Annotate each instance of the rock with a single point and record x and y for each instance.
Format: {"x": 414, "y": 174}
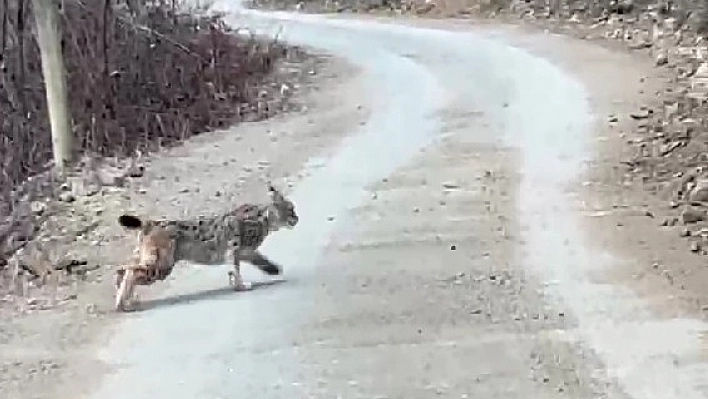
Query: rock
{"x": 83, "y": 187}
{"x": 33, "y": 301}
{"x": 693, "y": 215}
{"x": 38, "y": 207}
{"x": 111, "y": 178}
{"x": 70, "y": 297}
{"x": 67, "y": 197}
{"x": 135, "y": 171}
{"x": 661, "y": 58}
{"x": 450, "y": 185}
{"x": 72, "y": 266}
{"x": 699, "y": 191}
{"x": 641, "y": 114}
{"x": 640, "y": 45}
{"x": 670, "y": 25}
{"x": 695, "y": 246}
{"x": 701, "y": 71}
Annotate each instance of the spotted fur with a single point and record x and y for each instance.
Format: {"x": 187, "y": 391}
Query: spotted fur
{"x": 205, "y": 240}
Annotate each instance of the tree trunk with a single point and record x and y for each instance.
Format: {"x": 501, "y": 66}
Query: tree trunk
{"x": 49, "y": 39}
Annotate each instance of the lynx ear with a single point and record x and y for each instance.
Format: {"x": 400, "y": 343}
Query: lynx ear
{"x": 274, "y": 193}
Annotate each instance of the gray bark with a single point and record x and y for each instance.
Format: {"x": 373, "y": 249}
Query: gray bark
{"x": 49, "y": 40}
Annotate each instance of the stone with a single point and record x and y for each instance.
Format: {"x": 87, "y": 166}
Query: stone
{"x": 135, "y": 171}
{"x": 699, "y": 192}
{"x": 641, "y": 114}
{"x": 693, "y": 215}
{"x": 450, "y": 185}
{"x": 695, "y": 246}
{"x": 38, "y": 207}
{"x": 661, "y": 58}
{"x": 701, "y": 71}
{"x": 67, "y": 197}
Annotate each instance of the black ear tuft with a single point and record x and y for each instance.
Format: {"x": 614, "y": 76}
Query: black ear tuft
{"x": 130, "y": 222}
{"x": 274, "y": 193}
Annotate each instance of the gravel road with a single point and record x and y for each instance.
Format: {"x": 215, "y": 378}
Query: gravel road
{"x": 440, "y": 251}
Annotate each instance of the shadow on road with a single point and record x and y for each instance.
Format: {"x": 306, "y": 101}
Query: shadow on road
{"x": 201, "y": 295}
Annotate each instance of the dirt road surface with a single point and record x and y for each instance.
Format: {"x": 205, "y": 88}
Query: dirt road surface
{"x": 444, "y": 249}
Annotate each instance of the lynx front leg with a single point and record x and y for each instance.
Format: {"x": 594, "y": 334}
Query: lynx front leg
{"x": 264, "y": 264}
{"x": 235, "y": 279}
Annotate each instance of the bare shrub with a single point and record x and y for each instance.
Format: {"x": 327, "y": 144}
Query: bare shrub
{"x": 141, "y": 75}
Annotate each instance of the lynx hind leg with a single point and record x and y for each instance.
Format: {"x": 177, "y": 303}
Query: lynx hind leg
{"x": 264, "y": 264}
{"x": 235, "y": 279}
{"x": 118, "y": 278}
{"x": 124, "y": 293}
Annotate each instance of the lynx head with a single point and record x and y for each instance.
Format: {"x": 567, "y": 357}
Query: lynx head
{"x": 283, "y": 208}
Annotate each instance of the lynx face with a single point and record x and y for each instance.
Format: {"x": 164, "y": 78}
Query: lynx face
{"x": 284, "y": 208}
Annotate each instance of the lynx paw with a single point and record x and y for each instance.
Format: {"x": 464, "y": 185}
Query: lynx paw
{"x": 243, "y": 286}
{"x": 238, "y": 284}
